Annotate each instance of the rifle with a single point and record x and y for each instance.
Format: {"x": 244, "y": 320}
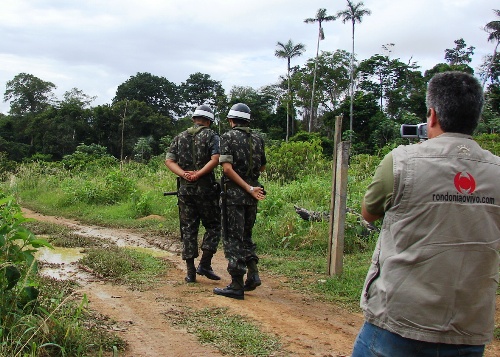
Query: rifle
{"x": 223, "y": 196}
{"x": 176, "y": 193}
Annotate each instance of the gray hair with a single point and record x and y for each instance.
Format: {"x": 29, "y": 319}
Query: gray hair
{"x": 458, "y": 99}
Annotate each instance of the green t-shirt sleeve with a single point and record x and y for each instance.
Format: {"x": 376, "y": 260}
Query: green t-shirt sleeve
{"x": 379, "y": 193}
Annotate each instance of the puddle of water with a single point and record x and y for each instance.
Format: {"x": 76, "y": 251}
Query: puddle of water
{"x": 65, "y": 258}
{"x": 59, "y": 255}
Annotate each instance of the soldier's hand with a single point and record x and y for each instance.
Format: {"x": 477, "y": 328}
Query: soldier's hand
{"x": 258, "y": 193}
{"x": 194, "y": 175}
{"x": 188, "y": 175}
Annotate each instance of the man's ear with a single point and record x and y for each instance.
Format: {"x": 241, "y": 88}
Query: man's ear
{"x": 432, "y": 117}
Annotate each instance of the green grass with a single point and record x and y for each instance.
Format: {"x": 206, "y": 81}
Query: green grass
{"x": 59, "y": 324}
{"x": 62, "y": 236}
{"x": 125, "y": 266}
{"x": 232, "y": 335}
{"x": 278, "y": 233}
{"x": 70, "y": 328}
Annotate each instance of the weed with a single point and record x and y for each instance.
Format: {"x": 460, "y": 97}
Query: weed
{"x": 126, "y": 266}
{"x": 38, "y": 316}
{"x": 232, "y": 335}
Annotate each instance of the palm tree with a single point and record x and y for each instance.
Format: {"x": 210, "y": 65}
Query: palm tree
{"x": 289, "y": 50}
{"x": 320, "y": 18}
{"x": 353, "y": 13}
{"x": 493, "y": 28}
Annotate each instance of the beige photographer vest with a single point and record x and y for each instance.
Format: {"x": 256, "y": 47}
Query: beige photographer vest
{"x": 434, "y": 272}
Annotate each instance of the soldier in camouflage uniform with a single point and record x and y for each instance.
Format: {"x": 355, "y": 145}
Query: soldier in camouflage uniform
{"x": 192, "y": 156}
{"x": 242, "y": 159}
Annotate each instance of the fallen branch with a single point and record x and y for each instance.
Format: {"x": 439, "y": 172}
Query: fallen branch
{"x": 313, "y": 216}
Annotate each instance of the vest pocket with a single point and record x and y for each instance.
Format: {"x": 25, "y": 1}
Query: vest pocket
{"x": 373, "y": 273}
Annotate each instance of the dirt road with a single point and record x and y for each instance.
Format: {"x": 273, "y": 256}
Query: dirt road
{"x": 305, "y": 327}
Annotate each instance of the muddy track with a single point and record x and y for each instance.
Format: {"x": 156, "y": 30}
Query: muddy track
{"x": 305, "y": 326}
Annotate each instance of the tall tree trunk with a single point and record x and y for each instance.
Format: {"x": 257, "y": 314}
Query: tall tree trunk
{"x": 352, "y": 86}
{"x": 490, "y": 64}
{"x": 288, "y": 103}
{"x": 314, "y": 81}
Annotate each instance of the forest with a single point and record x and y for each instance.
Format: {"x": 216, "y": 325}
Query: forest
{"x": 374, "y": 96}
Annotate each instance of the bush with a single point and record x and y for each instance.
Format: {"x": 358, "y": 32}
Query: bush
{"x": 87, "y": 156}
{"x": 490, "y": 142}
{"x": 293, "y": 160}
{"x": 114, "y": 188}
{"x": 18, "y": 268}
{"x": 6, "y": 165}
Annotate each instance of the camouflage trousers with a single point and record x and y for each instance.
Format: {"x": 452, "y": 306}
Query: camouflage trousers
{"x": 192, "y": 210}
{"x": 239, "y": 248}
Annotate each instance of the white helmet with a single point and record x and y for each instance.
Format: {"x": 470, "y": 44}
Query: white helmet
{"x": 204, "y": 111}
{"x": 239, "y": 111}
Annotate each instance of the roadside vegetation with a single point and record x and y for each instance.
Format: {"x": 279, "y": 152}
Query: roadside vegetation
{"x": 232, "y": 335}
{"x": 97, "y": 189}
{"x": 41, "y": 316}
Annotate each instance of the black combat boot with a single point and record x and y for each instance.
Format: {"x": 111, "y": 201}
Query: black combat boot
{"x": 233, "y": 290}
{"x": 191, "y": 271}
{"x": 253, "y": 279}
{"x": 205, "y": 267}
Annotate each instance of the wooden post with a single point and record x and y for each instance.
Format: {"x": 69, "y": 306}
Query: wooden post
{"x": 336, "y": 140}
{"x": 337, "y": 239}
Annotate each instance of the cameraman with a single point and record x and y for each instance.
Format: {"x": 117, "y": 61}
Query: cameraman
{"x": 430, "y": 289}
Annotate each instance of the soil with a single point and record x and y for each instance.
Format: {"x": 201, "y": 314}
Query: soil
{"x": 305, "y": 326}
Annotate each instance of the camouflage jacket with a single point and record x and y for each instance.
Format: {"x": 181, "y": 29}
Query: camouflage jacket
{"x": 191, "y": 150}
{"x": 244, "y": 149}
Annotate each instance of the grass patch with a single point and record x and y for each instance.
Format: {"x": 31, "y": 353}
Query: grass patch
{"x": 62, "y": 236}
{"x": 232, "y": 335}
{"x": 307, "y": 272}
{"x": 60, "y": 325}
{"x": 125, "y": 266}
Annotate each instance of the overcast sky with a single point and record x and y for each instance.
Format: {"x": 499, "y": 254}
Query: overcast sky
{"x": 95, "y": 45}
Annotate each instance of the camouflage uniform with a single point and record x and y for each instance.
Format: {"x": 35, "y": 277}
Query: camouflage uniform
{"x": 244, "y": 149}
{"x": 197, "y": 200}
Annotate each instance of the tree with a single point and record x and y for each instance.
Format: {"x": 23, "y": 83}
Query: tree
{"x": 158, "y": 93}
{"x": 445, "y": 67}
{"x": 320, "y": 18}
{"x": 399, "y": 86}
{"x": 493, "y": 29}
{"x": 66, "y": 125}
{"x": 77, "y": 97}
{"x": 140, "y": 120}
{"x": 261, "y": 103}
{"x": 28, "y": 94}
{"x": 289, "y": 50}
{"x": 460, "y": 54}
{"x": 142, "y": 148}
{"x": 353, "y": 13}
{"x": 334, "y": 80}
{"x": 200, "y": 89}
{"x": 332, "y": 86}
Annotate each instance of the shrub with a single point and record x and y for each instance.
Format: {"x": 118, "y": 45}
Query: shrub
{"x": 18, "y": 268}
{"x": 87, "y": 156}
{"x": 6, "y": 165}
{"x": 490, "y": 142}
{"x": 293, "y": 160}
{"x": 112, "y": 189}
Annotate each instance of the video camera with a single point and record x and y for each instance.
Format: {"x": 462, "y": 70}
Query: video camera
{"x": 414, "y": 131}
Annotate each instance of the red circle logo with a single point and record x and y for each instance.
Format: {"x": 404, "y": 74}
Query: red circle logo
{"x": 464, "y": 183}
